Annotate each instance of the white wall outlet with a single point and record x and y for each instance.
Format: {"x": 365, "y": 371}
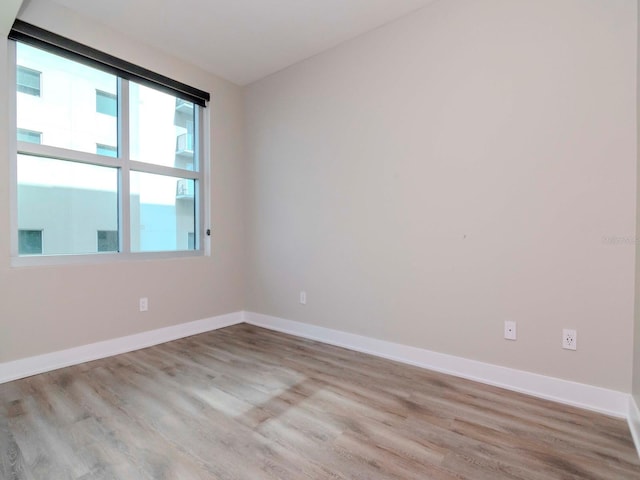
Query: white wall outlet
{"x": 510, "y": 330}
{"x": 569, "y": 339}
{"x": 303, "y": 297}
{"x": 144, "y": 304}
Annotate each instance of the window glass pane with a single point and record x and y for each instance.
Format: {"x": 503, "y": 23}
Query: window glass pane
{"x": 65, "y": 111}
{"x": 30, "y": 242}
{"x": 30, "y": 136}
{"x": 107, "y": 240}
{"x": 70, "y": 201}
{"x": 28, "y": 81}
{"x": 162, "y": 212}
{"x": 162, "y": 128}
{"x": 106, "y": 150}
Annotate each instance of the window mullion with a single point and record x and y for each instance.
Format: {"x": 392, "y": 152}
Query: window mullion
{"x": 48, "y": 151}
{"x": 163, "y": 170}
{"x": 124, "y": 190}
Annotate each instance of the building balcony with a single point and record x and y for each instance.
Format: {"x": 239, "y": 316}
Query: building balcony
{"x": 184, "y": 145}
{"x": 185, "y": 189}
{"x": 183, "y": 106}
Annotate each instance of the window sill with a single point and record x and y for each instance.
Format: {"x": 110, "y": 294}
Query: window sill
{"x": 98, "y": 258}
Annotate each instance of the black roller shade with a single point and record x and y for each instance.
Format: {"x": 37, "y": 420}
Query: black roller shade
{"x": 65, "y": 47}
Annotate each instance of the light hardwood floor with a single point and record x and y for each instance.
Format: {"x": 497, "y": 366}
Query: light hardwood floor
{"x": 247, "y": 403}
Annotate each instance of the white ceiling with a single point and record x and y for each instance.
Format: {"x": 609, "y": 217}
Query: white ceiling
{"x": 243, "y": 40}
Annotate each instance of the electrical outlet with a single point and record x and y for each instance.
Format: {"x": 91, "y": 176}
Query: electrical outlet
{"x": 144, "y": 304}
{"x": 510, "y": 330}
{"x": 569, "y": 339}
{"x": 303, "y": 297}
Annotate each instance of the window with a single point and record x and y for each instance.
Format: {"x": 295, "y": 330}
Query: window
{"x": 28, "y": 81}
{"x": 106, "y": 150}
{"x": 107, "y": 240}
{"x": 106, "y": 103}
{"x": 30, "y": 136}
{"x": 30, "y": 242}
{"x": 93, "y": 185}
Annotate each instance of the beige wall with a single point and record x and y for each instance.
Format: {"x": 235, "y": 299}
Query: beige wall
{"x": 455, "y": 169}
{"x": 636, "y": 343}
{"x": 52, "y": 308}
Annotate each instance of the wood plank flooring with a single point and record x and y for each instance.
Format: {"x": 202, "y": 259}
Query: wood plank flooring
{"x": 247, "y": 403}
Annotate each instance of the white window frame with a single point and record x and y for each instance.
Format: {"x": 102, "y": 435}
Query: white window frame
{"x": 124, "y": 165}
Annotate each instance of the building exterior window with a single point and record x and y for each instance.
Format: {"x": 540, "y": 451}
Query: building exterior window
{"x": 107, "y": 240}
{"x": 30, "y": 136}
{"x": 28, "y": 81}
{"x": 107, "y": 103}
{"x": 30, "y": 242}
{"x": 106, "y": 188}
{"x": 106, "y": 150}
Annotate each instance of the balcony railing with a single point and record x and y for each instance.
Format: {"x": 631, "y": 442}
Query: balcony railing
{"x": 183, "y": 105}
{"x": 184, "y": 144}
{"x": 185, "y": 188}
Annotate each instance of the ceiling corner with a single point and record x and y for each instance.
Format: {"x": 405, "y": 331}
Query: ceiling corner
{"x": 8, "y": 13}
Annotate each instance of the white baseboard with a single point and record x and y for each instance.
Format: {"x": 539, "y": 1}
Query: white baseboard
{"x": 52, "y": 361}
{"x": 610, "y": 402}
{"x": 634, "y": 422}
